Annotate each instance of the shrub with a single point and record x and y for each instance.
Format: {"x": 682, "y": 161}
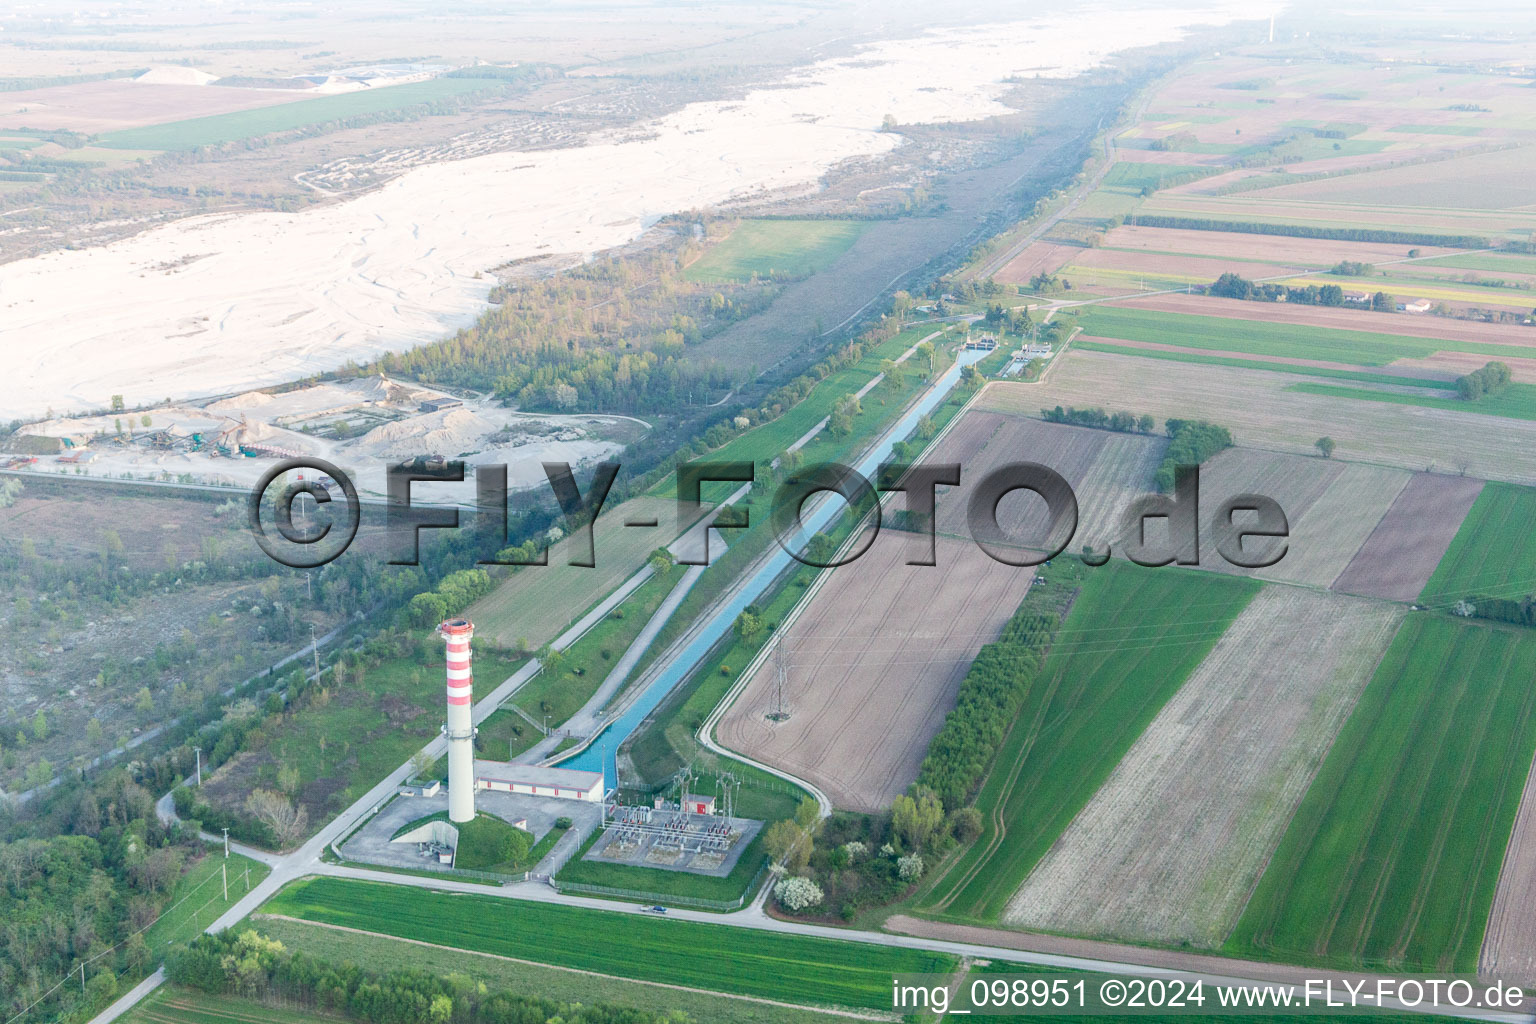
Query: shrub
{"x": 910, "y": 867}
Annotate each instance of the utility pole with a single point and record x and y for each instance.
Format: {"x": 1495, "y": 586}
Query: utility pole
{"x": 309, "y": 587}
{"x": 82, "y": 977}
{"x": 226, "y": 844}
{"x": 546, "y": 725}
{"x": 224, "y": 874}
{"x": 198, "y": 753}
{"x": 314, "y": 647}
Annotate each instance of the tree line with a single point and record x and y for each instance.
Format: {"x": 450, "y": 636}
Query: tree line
{"x": 254, "y": 966}
{"x": 1157, "y": 220}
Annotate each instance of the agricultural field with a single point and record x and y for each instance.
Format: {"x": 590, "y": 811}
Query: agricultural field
{"x": 1258, "y": 408}
{"x": 1493, "y": 554}
{"x": 121, "y": 104}
{"x": 1106, "y": 469}
{"x": 1330, "y": 506}
{"x": 763, "y": 248}
{"x": 793, "y": 968}
{"x": 1169, "y": 848}
{"x": 538, "y": 603}
{"x": 1494, "y": 225}
{"x": 1236, "y": 246}
{"x": 1392, "y": 376}
{"x": 1039, "y": 258}
{"x": 1500, "y": 180}
{"x": 1325, "y": 540}
{"x": 1132, "y": 637}
{"x": 559, "y": 984}
{"x": 1463, "y": 335}
{"x": 1393, "y": 856}
{"x": 1260, "y": 336}
{"x": 173, "y": 1005}
{"x": 217, "y": 129}
{"x": 1516, "y": 401}
{"x": 879, "y": 634}
{"x": 1509, "y": 945}
{"x": 1496, "y": 263}
{"x": 1396, "y": 560}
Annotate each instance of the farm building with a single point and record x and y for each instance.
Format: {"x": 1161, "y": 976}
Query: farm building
{"x": 1416, "y": 306}
{"x": 535, "y": 780}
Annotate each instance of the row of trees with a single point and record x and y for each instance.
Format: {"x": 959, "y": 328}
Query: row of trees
{"x": 988, "y": 701}
{"x": 1124, "y": 422}
{"x": 1234, "y": 286}
{"x": 257, "y": 967}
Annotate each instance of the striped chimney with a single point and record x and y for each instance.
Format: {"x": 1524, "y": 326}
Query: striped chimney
{"x": 460, "y": 728}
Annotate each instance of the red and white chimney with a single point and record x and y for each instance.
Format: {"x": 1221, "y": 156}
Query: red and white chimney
{"x": 459, "y": 727}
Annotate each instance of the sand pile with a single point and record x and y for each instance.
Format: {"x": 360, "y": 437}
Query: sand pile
{"x": 176, "y": 76}
{"x": 249, "y": 400}
{"x": 448, "y": 432}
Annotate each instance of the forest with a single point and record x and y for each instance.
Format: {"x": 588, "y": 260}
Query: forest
{"x": 607, "y": 336}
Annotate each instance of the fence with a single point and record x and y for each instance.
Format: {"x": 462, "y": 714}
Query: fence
{"x": 585, "y": 888}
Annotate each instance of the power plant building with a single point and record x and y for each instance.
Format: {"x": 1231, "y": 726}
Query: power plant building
{"x": 536, "y": 780}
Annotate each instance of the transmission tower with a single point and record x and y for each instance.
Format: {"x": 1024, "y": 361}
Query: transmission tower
{"x": 780, "y": 677}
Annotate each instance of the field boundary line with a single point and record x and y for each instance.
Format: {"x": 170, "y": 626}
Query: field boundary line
{"x": 854, "y": 1014}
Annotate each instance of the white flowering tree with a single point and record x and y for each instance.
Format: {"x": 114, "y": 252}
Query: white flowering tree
{"x": 910, "y": 867}
{"x": 797, "y": 893}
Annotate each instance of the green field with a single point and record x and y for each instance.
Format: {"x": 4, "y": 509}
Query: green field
{"x": 1225, "y": 334}
{"x": 1133, "y": 634}
{"x": 539, "y": 602}
{"x": 1494, "y": 552}
{"x": 623, "y": 944}
{"x": 1134, "y": 177}
{"x": 1362, "y": 376}
{"x": 1494, "y": 263}
{"x": 218, "y": 129}
{"x": 798, "y": 248}
{"x": 529, "y": 979}
{"x": 1516, "y": 401}
{"x": 199, "y": 898}
{"x": 1393, "y": 856}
